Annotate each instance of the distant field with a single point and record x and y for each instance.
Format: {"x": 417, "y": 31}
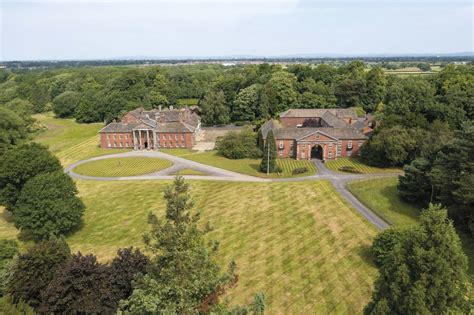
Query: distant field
{"x": 70, "y": 141}
{"x": 381, "y": 196}
{"x": 128, "y": 166}
{"x": 244, "y": 166}
{"x": 360, "y": 167}
{"x": 188, "y": 101}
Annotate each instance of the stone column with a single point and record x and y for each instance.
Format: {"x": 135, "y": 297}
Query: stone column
{"x": 148, "y": 138}
{"x": 134, "y": 139}
{"x": 155, "y": 146}
{"x": 140, "y": 139}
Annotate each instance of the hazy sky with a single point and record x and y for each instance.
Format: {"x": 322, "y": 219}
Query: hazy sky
{"x": 88, "y": 29}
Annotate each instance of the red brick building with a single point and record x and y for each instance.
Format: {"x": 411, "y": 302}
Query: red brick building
{"x": 324, "y": 134}
{"x": 152, "y": 129}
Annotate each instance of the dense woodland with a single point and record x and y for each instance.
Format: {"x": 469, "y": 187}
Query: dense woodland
{"x": 424, "y": 124}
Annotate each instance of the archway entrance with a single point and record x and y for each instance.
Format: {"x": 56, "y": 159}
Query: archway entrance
{"x": 317, "y": 152}
{"x": 146, "y": 144}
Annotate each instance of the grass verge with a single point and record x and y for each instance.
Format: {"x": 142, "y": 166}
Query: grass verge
{"x": 117, "y": 167}
{"x": 358, "y": 166}
{"x": 189, "y": 171}
{"x": 381, "y": 196}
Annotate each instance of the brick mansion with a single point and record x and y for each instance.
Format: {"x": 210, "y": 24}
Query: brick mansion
{"x": 324, "y": 134}
{"x": 152, "y": 129}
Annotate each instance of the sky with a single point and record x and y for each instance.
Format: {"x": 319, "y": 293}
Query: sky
{"x": 101, "y": 29}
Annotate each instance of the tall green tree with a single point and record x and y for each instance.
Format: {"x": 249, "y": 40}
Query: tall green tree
{"x": 376, "y": 89}
{"x": 48, "y": 205}
{"x": 281, "y": 92}
{"x": 12, "y": 129}
{"x": 246, "y": 104}
{"x": 269, "y": 153}
{"x": 426, "y": 273}
{"x": 184, "y": 276}
{"x": 20, "y": 164}
{"x": 64, "y": 105}
{"x": 214, "y": 110}
{"x": 415, "y": 185}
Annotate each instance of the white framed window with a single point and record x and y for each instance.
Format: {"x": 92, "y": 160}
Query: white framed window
{"x": 281, "y": 145}
{"x": 182, "y": 136}
{"x": 303, "y": 155}
{"x": 121, "y": 145}
{"x": 349, "y": 153}
{"x": 170, "y": 137}
{"x": 183, "y": 145}
{"x": 126, "y": 144}
{"x": 280, "y": 153}
{"x": 115, "y": 145}
{"x": 349, "y": 144}
{"x": 176, "y": 136}
{"x": 115, "y": 136}
{"x": 164, "y": 144}
{"x": 108, "y": 137}
{"x": 108, "y": 144}
{"x": 120, "y": 137}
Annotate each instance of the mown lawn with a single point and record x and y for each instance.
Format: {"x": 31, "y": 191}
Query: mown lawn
{"x": 360, "y": 167}
{"x": 128, "y": 166}
{"x": 244, "y": 166}
{"x": 300, "y": 243}
{"x": 70, "y": 141}
{"x": 381, "y": 196}
{"x": 189, "y": 171}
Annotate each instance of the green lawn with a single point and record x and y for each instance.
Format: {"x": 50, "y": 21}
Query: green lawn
{"x": 308, "y": 254}
{"x": 244, "y": 166}
{"x": 117, "y": 167}
{"x": 360, "y": 167}
{"x": 189, "y": 171}
{"x": 70, "y": 141}
{"x": 381, "y": 196}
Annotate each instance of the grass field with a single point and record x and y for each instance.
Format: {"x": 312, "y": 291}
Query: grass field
{"x": 382, "y": 197}
{"x": 244, "y": 166}
{"x": 360, "y": 167}
{"x": 70, "y": 141}
{"x": 116, "y": 167}
{"x": 189, "y": 171}
{"x": 308, "y": 254}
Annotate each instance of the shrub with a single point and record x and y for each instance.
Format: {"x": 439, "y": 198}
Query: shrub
{"x": 299, "y": 170}
{"x": 238, "y": 145}
{"x": 8, "y": 250}
{"x": 48, "y": 206}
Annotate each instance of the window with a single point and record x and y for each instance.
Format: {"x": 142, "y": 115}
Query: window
{"x": 121, "y": 145}
{"x": 281, "y": 145}
{"x": 349, "y": 153}
{"x": 182, "y": 136}
{"x": 115, "y": 136}
{"x": 292, "y": 144}
{"x": 176, "y": 136}
{"x": 108, "y": 137}
{"x": 126, "y": 144}
{"x": 302, "y": 155}
{"x": 164, "y": 144}
{"x": 115, "y": 145}
{"x": 281, "y": 153}
{"x": 108, "y": 144}
{"x": 183, "y": 145}
{"x": 349, "y": 145}
{"x": 170, "y": 137}
{"x": 120, "y": 137}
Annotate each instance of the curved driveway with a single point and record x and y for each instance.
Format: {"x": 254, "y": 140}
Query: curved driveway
{"x": 339, "y": 180}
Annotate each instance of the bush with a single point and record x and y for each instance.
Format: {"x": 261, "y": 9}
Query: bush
{"x": 238, "y": 145}
{"x": 299, "y": 170}
{"x": 8, "y": 250}
{"x": 48, "y": 205}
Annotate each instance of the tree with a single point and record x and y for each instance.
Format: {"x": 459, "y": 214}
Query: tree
{"x": 20, "y": 164}
{"x": 268, "y": 163}
{"x": 426, "y": 273}
{"x": 123, "y": 269}
{"x": 36, "y": 268}
{"x": 246, "y": 104}
{"x": 8, "y": 250}
{"x": 384, "y": 243}
{"x": 88, "y": 108}
{"x": 389, "y": 147}
{"x": 64, "y": 105}
{"x": 12, "y": 129}
{"x": 214, "y": 110}
{"x": 183, "y": 276}
{"x": 48, "y": 205}
{"x": 415, "y": 185}
{"x": 376, "y": 89}
{"x": 238, "y": 145}
{"x": 81, "y": 286}
{"x": 281, "y": 92}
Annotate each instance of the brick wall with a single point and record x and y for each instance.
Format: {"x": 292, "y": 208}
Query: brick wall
{"x": 116, "y": 140}
{"x": 176, "y": 140}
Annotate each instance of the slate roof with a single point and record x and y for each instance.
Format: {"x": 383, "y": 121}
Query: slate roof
{"x": 338, "y": 133}
{"x": 167, "y": 120}
{"x": 319, "y": 112}
{"x": 118, "y": 127}
{"x": 333, "y": 121}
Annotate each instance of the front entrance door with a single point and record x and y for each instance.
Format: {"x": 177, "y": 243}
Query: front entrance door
{"x": 317, "y": 152}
